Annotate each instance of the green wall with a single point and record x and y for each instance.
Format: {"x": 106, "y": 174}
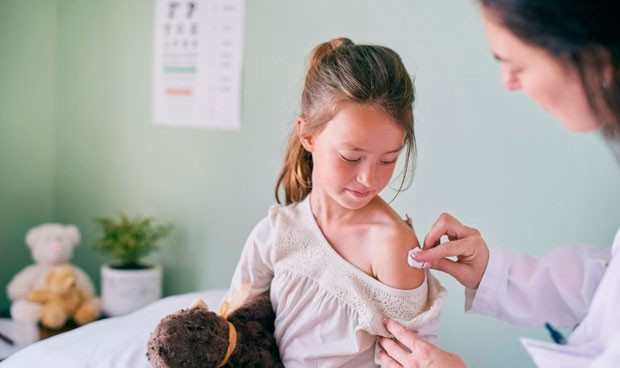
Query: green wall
{"x": 492, "y": 158}
{"x": 28, "y": 52}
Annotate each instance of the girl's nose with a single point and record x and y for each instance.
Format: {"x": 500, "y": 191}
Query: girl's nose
{"x": 367, "y": 176}
{"x": 511, "y": 81}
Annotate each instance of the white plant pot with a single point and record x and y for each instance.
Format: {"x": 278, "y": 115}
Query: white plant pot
{"x": 124, "y": 291}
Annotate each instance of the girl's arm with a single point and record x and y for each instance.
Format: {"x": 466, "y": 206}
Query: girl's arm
{"x": 390, "y": 264}
{"x": 255, "y": 266}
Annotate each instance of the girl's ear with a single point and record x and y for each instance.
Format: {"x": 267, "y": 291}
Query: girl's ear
{"x": 306, "y": 140}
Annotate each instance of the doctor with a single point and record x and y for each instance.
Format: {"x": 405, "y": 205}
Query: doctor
{"x": 565, "y": 54}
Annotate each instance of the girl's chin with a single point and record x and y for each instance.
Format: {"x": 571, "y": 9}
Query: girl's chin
{"x": 580, "y": 124}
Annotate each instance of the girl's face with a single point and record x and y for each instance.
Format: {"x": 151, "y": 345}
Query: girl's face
{"x": 355, "y": 154}
{"x": 548, "y": 81}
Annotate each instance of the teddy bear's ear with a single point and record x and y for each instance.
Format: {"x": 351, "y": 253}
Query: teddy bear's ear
{"x": 73, "y": 234}
{"x": 200, "y": 304}
{"x": 239, "y": 296}
{"x": 32, "y": 236}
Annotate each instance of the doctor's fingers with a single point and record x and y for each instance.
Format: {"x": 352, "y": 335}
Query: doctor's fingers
{"x": 447, "y": 225}
{"x": 463, "y": 248}
{"x": 387, "y": 361}
{"x": 448, "y": 266}
{"x": 393, "y": 354}
{"x": 425, "y": 355}
{"x": 468, "y": 275}
{"x": 407, "y": 338}
{"x": 472, "y": 258}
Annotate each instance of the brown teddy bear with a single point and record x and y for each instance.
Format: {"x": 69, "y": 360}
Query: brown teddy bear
{"x": 62, "y": 299}
{"x": 196, "y": 337}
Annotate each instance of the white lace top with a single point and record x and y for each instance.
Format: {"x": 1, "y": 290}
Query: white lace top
{"x": 328, "y": 311}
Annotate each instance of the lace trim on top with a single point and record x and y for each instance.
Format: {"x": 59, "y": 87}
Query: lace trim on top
{"x": 307, "y": 253}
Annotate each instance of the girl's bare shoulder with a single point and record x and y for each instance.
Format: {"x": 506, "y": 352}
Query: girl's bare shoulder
{"x": 392, "y": 238}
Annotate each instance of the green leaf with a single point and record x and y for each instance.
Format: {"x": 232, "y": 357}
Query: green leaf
{"x": 127, "y": 239}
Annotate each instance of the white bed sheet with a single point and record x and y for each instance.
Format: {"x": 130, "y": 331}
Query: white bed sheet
{"x": 113, "y": 342}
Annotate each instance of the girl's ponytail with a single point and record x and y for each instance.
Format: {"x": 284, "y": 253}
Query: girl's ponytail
{"x": 296, "y": 174}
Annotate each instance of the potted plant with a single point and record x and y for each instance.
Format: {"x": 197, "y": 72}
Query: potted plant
{"x": 127, "y": 283}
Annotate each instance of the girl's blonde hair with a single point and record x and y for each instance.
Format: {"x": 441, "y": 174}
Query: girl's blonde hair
{"x": 341, "y": 71}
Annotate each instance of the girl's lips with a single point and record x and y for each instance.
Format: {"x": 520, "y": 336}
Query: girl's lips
{"x": 359, "y": 194}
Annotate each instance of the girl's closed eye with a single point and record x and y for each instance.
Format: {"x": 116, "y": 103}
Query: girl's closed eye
{"x": 350, "y": 159}
{"x": 389, "y": 161}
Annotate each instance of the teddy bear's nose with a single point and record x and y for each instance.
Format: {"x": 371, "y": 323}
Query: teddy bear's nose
{"x": 54, "y": 249}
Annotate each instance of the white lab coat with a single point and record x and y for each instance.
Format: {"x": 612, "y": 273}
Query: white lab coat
{"x": 571, "y": 286}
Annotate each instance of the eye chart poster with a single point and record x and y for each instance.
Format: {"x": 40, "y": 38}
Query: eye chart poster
{"x": 197, "y": 63}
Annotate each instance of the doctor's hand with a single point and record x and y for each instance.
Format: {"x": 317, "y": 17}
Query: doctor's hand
{"x": 407, "y": 350}
{"x": 465, "y": 243}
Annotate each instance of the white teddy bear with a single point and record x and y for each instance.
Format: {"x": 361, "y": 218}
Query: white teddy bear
{"x": 50, "y": 245}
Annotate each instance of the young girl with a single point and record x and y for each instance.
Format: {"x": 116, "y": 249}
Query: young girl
{"x": 335, "y": 256}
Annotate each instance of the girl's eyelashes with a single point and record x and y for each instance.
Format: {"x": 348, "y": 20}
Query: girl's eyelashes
{"x": 350, "y": 160}
{"x": 356, "y": 160}
{"x": 389, "y": 162}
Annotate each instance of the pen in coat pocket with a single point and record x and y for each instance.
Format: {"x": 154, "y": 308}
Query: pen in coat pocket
{"x": 555, "y": 334}
{"x": 7, "y": 339}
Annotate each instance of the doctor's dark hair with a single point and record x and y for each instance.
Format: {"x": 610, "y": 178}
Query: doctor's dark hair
{"x": 582, "y": 33}
{"x": 339, "y": 72}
